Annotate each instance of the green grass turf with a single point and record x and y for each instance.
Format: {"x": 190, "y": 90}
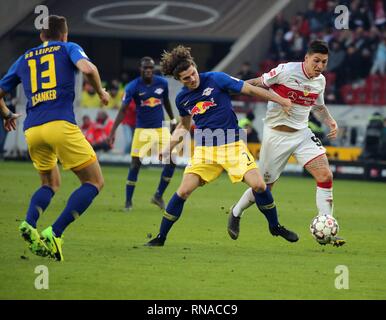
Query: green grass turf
{"x": 105, "y": 257}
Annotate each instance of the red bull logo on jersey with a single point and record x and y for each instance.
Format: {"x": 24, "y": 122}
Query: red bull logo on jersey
{"x": 202, "y": 106}
{"x": 151, "y": 102}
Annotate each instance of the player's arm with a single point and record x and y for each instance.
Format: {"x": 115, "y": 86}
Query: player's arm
{"x": 90, "y": 72}
{"x": 257, "y": 82}
{"x": 322, "y": 113}
{"x": 251, "y": 90}
{"x": 9, "y": 118}
{"x": 169, "y": 111}
{"x": 118, "y": 119}
{"x": 275, "y": 76}
{"x": 182, "y": 129}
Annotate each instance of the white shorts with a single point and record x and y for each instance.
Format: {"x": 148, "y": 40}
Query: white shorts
{"x": 278, "y": 146}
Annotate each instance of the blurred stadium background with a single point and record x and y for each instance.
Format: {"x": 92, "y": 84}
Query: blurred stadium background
{"x": 116, "y": 35}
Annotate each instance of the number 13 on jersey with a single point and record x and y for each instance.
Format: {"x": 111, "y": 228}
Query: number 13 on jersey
{"x": 48, "y": 75}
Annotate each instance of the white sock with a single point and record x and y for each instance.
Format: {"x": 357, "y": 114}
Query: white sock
{"x": 246, "y": 200}
{"x": 324, "y": 201}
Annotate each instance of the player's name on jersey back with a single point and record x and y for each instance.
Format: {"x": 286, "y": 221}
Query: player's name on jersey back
{"x": 43, "y": 96}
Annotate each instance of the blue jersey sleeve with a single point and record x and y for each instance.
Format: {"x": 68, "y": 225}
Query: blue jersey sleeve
{"x": 226, "y": 82}
{"x": 129, "y": 92}
{"x": 75, "y": 52}
{"x": 11, "y": 79}
{"x": 180, "y": 108}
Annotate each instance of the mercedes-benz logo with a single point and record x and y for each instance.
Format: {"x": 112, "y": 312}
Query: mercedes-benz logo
{"x": 151, "y": 15}
{"x": 292, "y": 95}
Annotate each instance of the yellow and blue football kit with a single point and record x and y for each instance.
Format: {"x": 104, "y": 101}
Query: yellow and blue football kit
{"x": 47, "y": 73}
{"x": 149, "y": 101}
{"x": 218, "y": 143}
{"x": 218, "y": 146}
{"x": 150, "y": 137}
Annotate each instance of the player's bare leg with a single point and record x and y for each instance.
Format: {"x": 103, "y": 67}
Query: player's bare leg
{"x": 91, "y": 174}
{"x": 51, "y": 178}
{"x": 319, "y": 168}
{"x": 190, "y": 182}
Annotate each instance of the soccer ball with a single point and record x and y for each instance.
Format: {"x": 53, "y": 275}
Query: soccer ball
{"x": 324, "y": 227}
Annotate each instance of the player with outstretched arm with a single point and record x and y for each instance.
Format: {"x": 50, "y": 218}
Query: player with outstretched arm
{"x": 287, "y": 133}
{"x": 205, "y": 98}
{"x": 47, "y": 73}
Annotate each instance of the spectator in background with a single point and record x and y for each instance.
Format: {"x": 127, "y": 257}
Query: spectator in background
{"x": 87, "y": 128}
{"x": 351, "y": 65}
{"x": 353, "y": 136}
{"x": 247, "y": 124}
{"x": 128, "y": 126}
{"x": 335, "y": 63}
{"x": 279, "y": 47}
{"x": 379, "y": 13}
{"x": 302, "y": 25}
{"x": 119, "y": 85}
{"x": 359, "y": 15}
{"x": 116, "y": 97}
{"x": 315, "y": 16}
{"x": 379, "y": 65}
{"x": 245, "y": 72}
{"x": 89, "y": 98}
{"x": 280, "y": 24}
{"x": 374, "y": 133}
{"x": 100, "y": 132}
{"x": 366, "y": 59}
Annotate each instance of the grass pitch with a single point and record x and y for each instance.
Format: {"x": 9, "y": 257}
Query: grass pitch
{"x": 105, "y": 257}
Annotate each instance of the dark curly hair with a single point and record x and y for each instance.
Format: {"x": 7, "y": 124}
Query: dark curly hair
{"x": 176, "y": 61}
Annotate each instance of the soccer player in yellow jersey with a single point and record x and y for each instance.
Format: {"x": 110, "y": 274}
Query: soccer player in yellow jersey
{"x": 47, "y": 73}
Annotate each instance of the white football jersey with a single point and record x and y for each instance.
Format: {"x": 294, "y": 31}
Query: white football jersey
{"x": 290, "y": 80}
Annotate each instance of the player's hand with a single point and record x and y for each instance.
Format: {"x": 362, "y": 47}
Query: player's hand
{"x": 104, "y": 96}
{"x": 111, "y": 139}
{"x": 333, "y": 129}
{"x": 10, "y": 122}
{"x": 286, "y": 105}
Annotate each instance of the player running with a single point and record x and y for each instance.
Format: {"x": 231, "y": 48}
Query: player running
{"x": 286, "y": 131}
{"x": 47, "y": 73}
{"x": 150, "y": 93}
{"x": 205, "y": 98}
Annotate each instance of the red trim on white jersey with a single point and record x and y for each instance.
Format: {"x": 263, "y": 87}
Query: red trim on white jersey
{"x": 296, "y": 96}
{"x": 304, "y": 71}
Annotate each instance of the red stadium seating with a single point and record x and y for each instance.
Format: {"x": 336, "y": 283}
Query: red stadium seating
{"x": 372, "y": 93}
